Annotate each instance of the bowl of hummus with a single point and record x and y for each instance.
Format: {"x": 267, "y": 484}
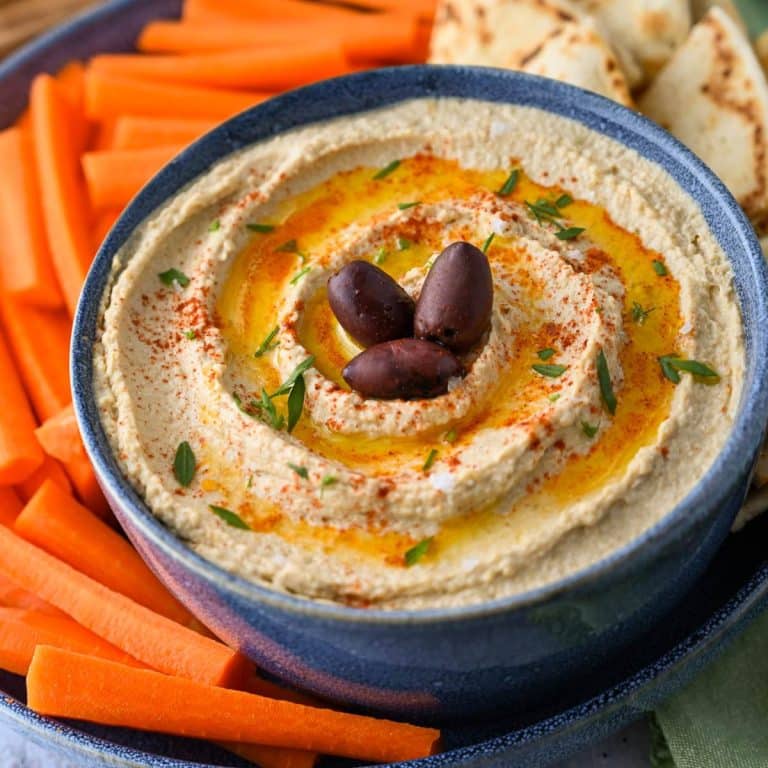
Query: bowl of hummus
{"x": 428, "y": 388}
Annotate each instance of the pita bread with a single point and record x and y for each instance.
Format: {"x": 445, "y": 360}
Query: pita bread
{"x": 544, "y": 37}
{"x": 643, "y": 33}
{"x": 700, "y": 8}
{"x": 713, "y": 96}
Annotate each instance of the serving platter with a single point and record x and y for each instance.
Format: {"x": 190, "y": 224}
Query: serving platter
{"x": 734, "y": 590}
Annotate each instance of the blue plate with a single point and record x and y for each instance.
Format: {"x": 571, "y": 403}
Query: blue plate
{"x": 732, "y": 592}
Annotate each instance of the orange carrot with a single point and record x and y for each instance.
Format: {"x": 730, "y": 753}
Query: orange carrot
{"x": 62, "y": 684}
{"x": 49, "y": 470}
{"x": 20, "y": 453}
{"x": 271, "y": 757}
{"x": 55, "y": 522}
{"x": 10, "y": 506}
{"x": 133, "y": 132}
{"x": 87, "y": 488}
{"x": 114, "y": 177}
{"x": 104, "y": 222}
{"x": 65, "y": 205}
{"x": 71, "y": 82}
{"x": 153, "y": 639}
{"x": 271, "y": 68}
{"x": 26, "y": 269}
{"x": 109, "y": 97}
{"x": 12, "y": 596}
{"x": 39, "y": 341}
{"x": 209, "y": 10}
{"x": 424, "y": 9}
{"x": 21, "y": 631}
{"x": 362, "y": 37}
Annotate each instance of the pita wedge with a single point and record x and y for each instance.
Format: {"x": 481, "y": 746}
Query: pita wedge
{"x": 713, "y": 96}
{"x": 643, "y": 33}
{"x": 544, "y": 37}
{"x": 700, "y": 8}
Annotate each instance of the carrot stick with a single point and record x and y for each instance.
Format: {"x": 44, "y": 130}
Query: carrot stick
{"x": 21, "y": 631}
{"x": 55, "y": 522}
{"x": 104, "y": 223}
{"x": 26, "y": 269}
{"x": 87, "y": 488}
{"x": 153, "y": 639}
{"x": 272, "y": 68}
{"x": 12, "y": 596}
{"x": 114, "y": 177}
{"x": 103, "y": 136}
{"x": 10, "y": 506}
{"x": 49, "y": 470}
{"x": 208, "y": 10}
{"x": 39, "y": 341}
{"x": 65, "y": 684}
{"x": 65, "y": 205}
{"x": 20, "y": 453}
{"x": 424, "y": 9}
{"x": 109, "y": 97}
{"x": 271, "y": 757}
{"x": 71, "y": 82}
{"x": 133, "y": 132}
{"x": 363, "y": 38}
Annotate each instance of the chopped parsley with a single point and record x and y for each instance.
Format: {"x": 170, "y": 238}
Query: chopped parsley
{"x": 295, "y": 279}
{"x": 267, "y": 411}
{"x": 289, "y": 246}
{"x": 554, "y": 397}
{"x": 267, "y": 345}
{"x": 508, "y": 187}
{"x": 191, "y": 334}
{"x": 414, "y": 554}
{"x": 551, "y": 371}
{"x": 171, "y": 276}
{"x": 569, "y": 233}
{"x": 386, "y": 170}
{"x": 546, "y": 211}
{"x": 184, "y": 464}
{"x": 606, "y": 387}
{"x": 590, "y": 430}
{"x": 327, "y": 481}
{"x": 296, "y": 402}
{"x": 406, "y": 206}
{"x": 545, "y": 354}
{"x": 431, "y": 456}
{"x": 640, "y": 313}
{"x": 403, "y": 244}
{"x": 563, "y": 201}
{"x": 215, "y": 226}
{"x": 300, "y": 471}
{"x": 263, "y": 229}
{"x": 659, "y": 268}
{"x": 287, "y": 385}
{"x": 229, "y": 517}
{"x": 380, "y": 256}
{"x": 487, "y": 243}
{"x": 451, "y": 436}
{"x": 671, "y": 365}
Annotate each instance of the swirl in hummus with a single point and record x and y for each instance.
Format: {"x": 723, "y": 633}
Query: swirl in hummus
{"x": 568, "y": 436}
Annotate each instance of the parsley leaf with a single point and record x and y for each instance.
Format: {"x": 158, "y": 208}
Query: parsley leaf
{"x": 414, "y": 554}
{"x": 229, "y": 517}
{"x": 606, "y": 387}
{"x": 551, "y": 371}
{"x": 380, "y": 256}
{"x": 451, "y": 436}
{"x": 295, "y": 279}
{"x": 487, "y": 243}
{"x": 563, "y": 201}
{"x": 545, "y": 354}
{"x": 547, "y": 212}
{"x": 267, "y": 345}
{"x": 184, "y": 464}
{"x": 171, "y": 276}
{"x": 671, "y": 365}
{"x": 508, "y": 187}
{"x": 327, "y": 481}
{"x": 262, "y": 228}
{"x": 302, "y": 472}
{"x": 430, "y": 460}
{"x": 569, "y": 233}
{"x": 386, "y": 170}
{"x": 403, "y": 244}
{"x": 191, "y": 334}
{"x": 296, "y": 402}
{"x": 215, "y": 226}
{"x": 406, "y": 206}
{"x": 659, "y": 268}
{"x": 590, "y": 430}
{"x": 639, "y": 313}
{"x": 267, "y": 411}
{"x": 286, "y": 386}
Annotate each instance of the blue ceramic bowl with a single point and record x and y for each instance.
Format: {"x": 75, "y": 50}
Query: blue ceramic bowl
{"x": 520, "y": 652}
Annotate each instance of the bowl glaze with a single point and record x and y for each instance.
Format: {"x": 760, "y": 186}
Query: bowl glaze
{"x": 507, "y": 654}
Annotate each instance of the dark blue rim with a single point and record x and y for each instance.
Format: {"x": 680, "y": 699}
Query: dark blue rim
{"x": 365, "y": 91}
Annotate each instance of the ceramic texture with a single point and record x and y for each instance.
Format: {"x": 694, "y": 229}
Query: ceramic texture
{"x": 452, "y": 662}
{"x": 579, "y": 710}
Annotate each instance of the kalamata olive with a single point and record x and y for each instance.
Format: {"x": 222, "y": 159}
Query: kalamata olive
{"x": 456, "y": 299}
{"x": 405, "y": 368}
{"x": 369, "y": 304}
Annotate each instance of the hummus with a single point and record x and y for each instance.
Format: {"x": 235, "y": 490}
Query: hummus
{"x": 566, "y": 439}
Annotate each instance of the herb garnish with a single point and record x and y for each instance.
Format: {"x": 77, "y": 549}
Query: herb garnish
{"x": 552, "y": 371}
{"x": 295, "y": 279}
{"x": 606, "y": 387}
{"x": 403, "y": 244}
{"x": 671, "y": 365}
{"x": 296, "y": 402}
{"x": 639, "y": 313}
{"x": 508, "y": 187}
{"x": 554, "y": 397}
{"x": 267, "y": 345}
{"x": 184, "y": 464}
{"x": 487, "y": 243}
{"x": 430, "y": 460}
{"x": 590, "y": 430}
{"x": 659, "y": 268}
{"x": 545, "y": 211}
{"x": 451, "y": 436}
{"x": 386, "y": 170}
{"x": 287, "y": 385}
{"x": 215, "y": 226}
{"x": 545, "y": 354}
{"x": 267, "y": 411}
{"x": 327, "y": 481}
{"x": 414, "y": 554}
{"x": 191, "y": 334}
{"x": 262, "y": 228}
{"x": 300, "y": 471}
{"x": 406, "y": 206}
{"x": 171, "y": 276}
{"x": 380, "y": 256}
{"x": 289, "y": 246}
{"x": 229, "y": 517}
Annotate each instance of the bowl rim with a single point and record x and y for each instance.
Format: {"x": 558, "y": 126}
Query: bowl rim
{"x": 320, "y": 101}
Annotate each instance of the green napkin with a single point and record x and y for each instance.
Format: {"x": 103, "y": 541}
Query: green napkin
{"x": 720, "y": 720}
